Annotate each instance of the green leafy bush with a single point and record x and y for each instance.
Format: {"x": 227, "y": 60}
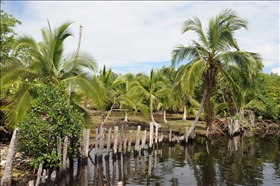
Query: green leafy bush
{"x": 50, "y": 117}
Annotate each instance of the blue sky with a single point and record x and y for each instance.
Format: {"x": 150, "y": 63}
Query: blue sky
{"x": 137, "y": 36}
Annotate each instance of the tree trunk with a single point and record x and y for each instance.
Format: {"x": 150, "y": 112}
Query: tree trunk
{"x": 164, "y": 116}
{"x": 125, "y": 117}
{"x": 7, "y": 176}
{"x": 198, "y": 114}
{"x": 209, "y": 80}
{"x": 152, "y": 117}
{"x": 185, "y": 109}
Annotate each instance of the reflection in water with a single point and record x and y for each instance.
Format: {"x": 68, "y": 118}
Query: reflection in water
{"x": 236, "y": 161}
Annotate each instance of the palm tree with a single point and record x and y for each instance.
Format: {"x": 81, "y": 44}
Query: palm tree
{"x": 150, "y": 88}
{"x": 49, "y": 64}
{"x": 128, "y": 99}
{"x": 214, "y": 54}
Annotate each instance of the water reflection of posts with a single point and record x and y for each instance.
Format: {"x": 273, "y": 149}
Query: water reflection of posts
{"x": 120, "y": 168}
{"x": 188, "y": 157}
{"x": 107, "y": 172}
{"x": 136, "y": 160}
{"x": 150, "y": 163}
{"x": 114, "y": 171}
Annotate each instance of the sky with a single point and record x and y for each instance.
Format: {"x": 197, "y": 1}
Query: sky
{"x": 137, "y": 36}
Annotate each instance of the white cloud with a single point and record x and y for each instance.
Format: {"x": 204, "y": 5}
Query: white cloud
{"x": 276, "y": 70}
{"x": 130, "y": 33}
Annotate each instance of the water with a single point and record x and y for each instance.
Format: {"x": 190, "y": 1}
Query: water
{"x": 238, "y": 161}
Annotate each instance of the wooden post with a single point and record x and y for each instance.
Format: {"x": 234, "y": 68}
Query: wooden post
{"x": 101, "y": 145}
{"x": 65, "y": 145}
{"x": 121, "y": 140}
{"x": 58, "y": 141}
{"x": 144, "y": 141}
{"x": 129, "y": 142}
{"x": 108, "y": 144}
{"x": 170, "y": 134}
{"x": 96, "y": 142}
{"x": 31, "y": 183}
{"x": 151, "y": 135}
{"x": 87, "y": 142}
{"x": 39, "y": 174}
{"x": 7, "y": 175}
{"x": 156, "y": 138}
{"x": 124, "y": 143}
{"x": 44, "y": 176}
{"x": 187, "y": 135}
{"x": 115, "y": 141}
{"x": 83, "y": 143}
{"x": 137, "y": 142}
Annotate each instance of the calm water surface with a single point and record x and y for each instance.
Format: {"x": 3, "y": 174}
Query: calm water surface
{"x": 238, "y": 161}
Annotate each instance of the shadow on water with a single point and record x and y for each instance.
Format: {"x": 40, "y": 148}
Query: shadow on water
{"x": 236, "y": 161}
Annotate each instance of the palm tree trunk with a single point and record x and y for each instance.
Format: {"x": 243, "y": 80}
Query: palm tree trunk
{"x": 7, "y": 176}
{"x": 164, "y": 116}
{"x": 125, "y": 117}
{"x": 185, "y": 113}
{"x": 209, "y": 80}
{"x": 152, "y": 116}
{"x": 185, "y": 109}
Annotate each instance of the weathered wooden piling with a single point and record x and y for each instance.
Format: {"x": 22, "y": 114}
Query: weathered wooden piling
{"x": 96, "y": 142}
{"x": 151, "y": 136}
{"x": 58, "y": 142}
{"x": 101, "y": 144}
{"x": 108, "y": 145}
{"x": 120, "y": 142}
{"x": 129, "y": 142}
{"x": 125, "y": 142}
{"x": 39, "y": 174}
{"x": 137, "y": 142}
{"x": 187, "y": 135}
{"x": 156, "y": 135}
{"x": 115, "y": 141}
{"x": 143, "y": 143}
{"x": 64, "y": 159}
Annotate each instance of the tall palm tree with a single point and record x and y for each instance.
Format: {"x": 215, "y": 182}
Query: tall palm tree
{"x": 49, "y": 63}
{"x": 214, "y": 54}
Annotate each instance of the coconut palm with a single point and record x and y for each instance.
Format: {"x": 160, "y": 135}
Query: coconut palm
{"x": 49, "y": 63}
{"x": 126, "y": 88}
{"x": 150, "y": 88}
{"x": 214, "y": 54}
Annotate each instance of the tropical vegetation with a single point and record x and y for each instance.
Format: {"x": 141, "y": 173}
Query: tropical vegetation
{"x": 224, "y": 79}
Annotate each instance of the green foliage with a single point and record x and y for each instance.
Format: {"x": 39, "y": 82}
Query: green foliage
{"x": 7, "y": 39}
{"x": 50, "y": 117}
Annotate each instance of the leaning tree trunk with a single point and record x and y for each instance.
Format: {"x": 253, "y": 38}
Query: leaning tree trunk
{"x": 7, "y": 176}
{"x": 198, "y": 115}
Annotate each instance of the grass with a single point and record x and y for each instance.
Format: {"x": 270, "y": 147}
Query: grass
{"x": 173, "y": 120}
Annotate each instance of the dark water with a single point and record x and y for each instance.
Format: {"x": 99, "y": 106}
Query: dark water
{"x": 238, "y": 161}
